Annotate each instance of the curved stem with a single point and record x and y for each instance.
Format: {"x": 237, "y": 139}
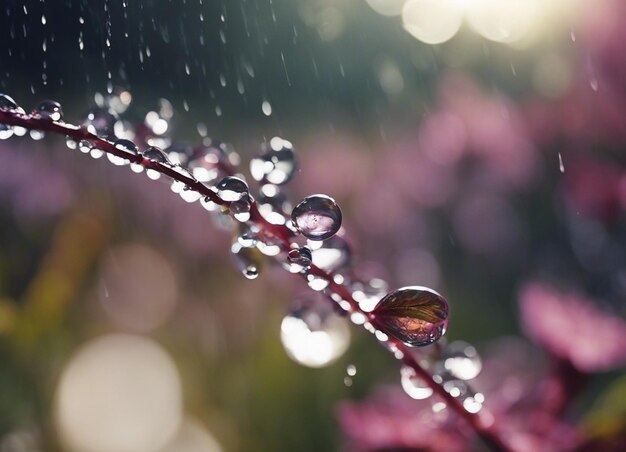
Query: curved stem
{"x": 481, "y": 423}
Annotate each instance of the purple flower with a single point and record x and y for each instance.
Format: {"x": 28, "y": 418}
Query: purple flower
{"x": 570, "y": 327}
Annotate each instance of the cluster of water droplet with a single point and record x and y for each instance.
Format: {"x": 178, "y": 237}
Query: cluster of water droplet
{"x": 306, "y": 240}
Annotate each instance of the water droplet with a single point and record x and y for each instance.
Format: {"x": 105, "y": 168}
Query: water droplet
{"x": 6, "y": 131}
{"x": 351, "y": 370}
{"x": 156, "y": 155}
{"x": 241, "y": 208}
{"x": 415, "y": 315}
{"x": 317, "y": 283}
{"x": 8, "y": 104}
{"x": 273, "y": 204}
{"x": 368, "y": 294}
{"x": 275, "y": 164}
{"x": 333, "y": 254}
{"x": 248, "y": 260}
{"x": 299, "y": 259}
{"x": 561, "y": 165}
{"x": 85, "y": 146}
{"x": 474, "y": 402}
{"x": 127, "y": 146}
{"x": 461, "y": 360}
{"x": 414, "y": 386}
{"x": 313, "y": 335}
{"x": 231, "y": 188}
{"x": 49, "y": 109}
{"x": 205, "y": 162}
{"x": 266, "y": 107}
{"x": 317, "y": 217}
{"x": 101, "y": 122}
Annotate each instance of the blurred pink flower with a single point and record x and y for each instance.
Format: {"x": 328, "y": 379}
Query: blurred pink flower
{"x": 514, "y": 385}
{"x": 571, "y": 328}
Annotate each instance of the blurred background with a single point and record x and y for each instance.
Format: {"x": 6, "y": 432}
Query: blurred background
{"x": 473, "y": 146}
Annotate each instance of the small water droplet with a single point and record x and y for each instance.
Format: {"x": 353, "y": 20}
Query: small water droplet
{"x": 6, "y": 131}
{"x": 368, "y": 294}
{"x": 248, "y": 260}
{"x": 561, "y": 165}
{"x": 414, "y": 386}
{"x": 240, "y": 209}
{"x": 461, "y": 360}
{"x": 415, "y": 315}
{"x": 266, "y": 107}
{"x": 275, "y": 164}
{"x": 232, "y": 188}
{"x": 313, "y": 335}
{"x": 156, "y": 155}
{"x": 317, "y": 217}
{"x": 100, "y": 121}
{"x": 8, "y": 104}
{"x": 317, "y": 283}
{"x": 299, "y": 259}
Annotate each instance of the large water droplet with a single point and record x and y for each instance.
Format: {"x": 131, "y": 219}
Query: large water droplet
{"x": 415, "y": 315}
{"x": 313, "y": 335}
{"x": 49, "y": 109}
{"x": 414, "y": 386}
{"x": 8, "y": 104}
{"x": 231, "y": 188}
{"x": 275, "y": 164}
{"x": 317, "y": 217}
{"x": 461, "y": 360}
{"x": 249, "y": 260}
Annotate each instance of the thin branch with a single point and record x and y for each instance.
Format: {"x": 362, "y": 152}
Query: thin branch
{"x": 482, "y": 423}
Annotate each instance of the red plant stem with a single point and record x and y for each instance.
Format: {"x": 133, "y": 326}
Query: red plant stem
{"x": 483, "y": 427}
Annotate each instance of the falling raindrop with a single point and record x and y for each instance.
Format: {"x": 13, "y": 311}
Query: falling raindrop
{"x": 414, "y": 386}
{"x": 317, "y": 217}
{"x": 415, "y": 315}
{"x": 313, "y": 335}
{"x": 561, "y": 165}
{"x": 275, "y": 164}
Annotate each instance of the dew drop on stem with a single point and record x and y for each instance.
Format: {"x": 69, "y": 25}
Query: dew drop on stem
{"x": 317, "y": 217}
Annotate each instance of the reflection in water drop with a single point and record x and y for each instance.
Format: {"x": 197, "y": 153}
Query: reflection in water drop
{"x": 49, "y": 109}
{"x": 317, "y": 217}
